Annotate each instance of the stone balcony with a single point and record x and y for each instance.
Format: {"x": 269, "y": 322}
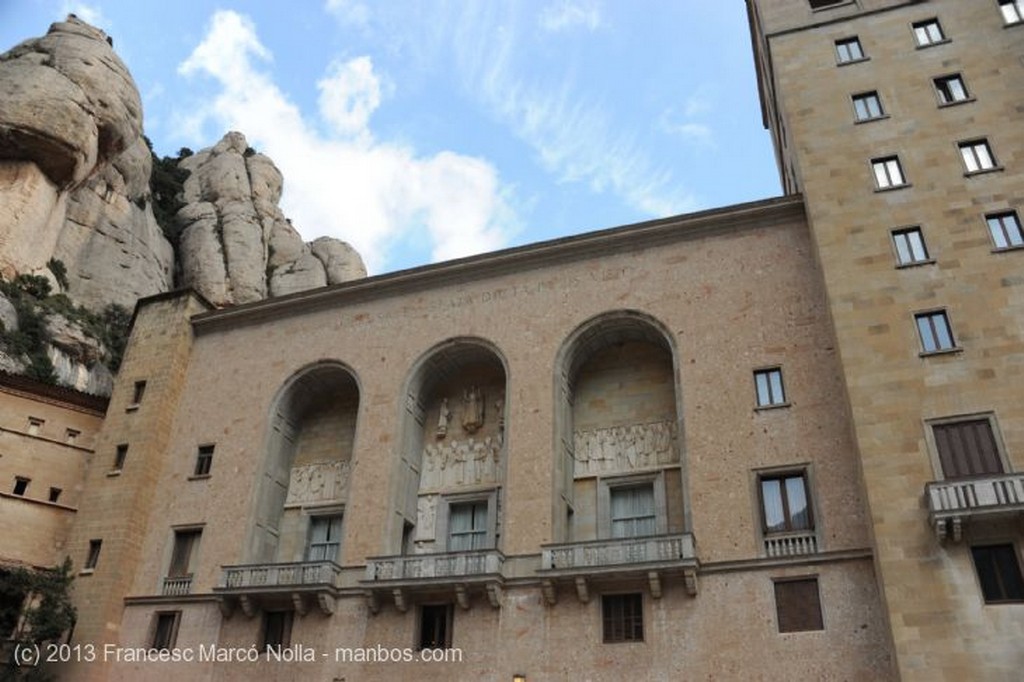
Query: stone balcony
{"x": 177, "y": 586}
{"x": 791, "y": 544}
{"x": 453, "y": 573}
{"x": 953, "y": 503}
{"x": 300, "y": 583}
{"x": 647, "y": 559}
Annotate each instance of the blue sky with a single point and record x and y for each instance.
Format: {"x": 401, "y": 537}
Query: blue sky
{"x": 423, "y": 131}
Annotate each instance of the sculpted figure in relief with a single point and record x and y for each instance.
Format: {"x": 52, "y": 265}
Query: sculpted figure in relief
{"x": 472, "y": 409}
{"x": 443, "y": 418}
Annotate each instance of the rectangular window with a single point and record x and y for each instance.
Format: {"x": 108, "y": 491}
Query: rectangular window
{"x": 165, "y": 630}
{"x": 1005, "y": 230}
{"x": 623, "y": 617}
{"x": 139, "y": 391}
{"x": 951, "y": 89}
{"x": 798, "y": 605}
{"x": 34, "y": 425}
{"x": 910, "y": 247}
{"x": 21, "y": 485}
{"x": 93, "y": 557}
{"x": 888, "y": 172}
{"x": 998, "y": 570}
{"x": 120, "y": 455}
{"x": 632, "y": 511}
{"x": 822, "y": 4}
{"x": 435, "y": 626}
{"x": 204, "y": 460}
{"x": 768, "y": 384}
{"x": 967, "y": 448}
{"x": 324, "y": 538}
{"x": 935, "y": 330}
{"x": 867, "y": 106}
{"x": 467, "y": 526}
{"x": 1013, "y": 11}
{"x": 928, "y": 32}
{"x": 977, "y": 156}
{"x": 71, "y": 435}
{"x": 784, "y": 503}
{"x": 186, "y": 542}
{"x": 55, "y": 494}
{"x": 277, "y": 630}
{"x": 849, "y": 50}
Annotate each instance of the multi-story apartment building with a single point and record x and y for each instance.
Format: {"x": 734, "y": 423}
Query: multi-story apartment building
{"x": 773, "y": 440}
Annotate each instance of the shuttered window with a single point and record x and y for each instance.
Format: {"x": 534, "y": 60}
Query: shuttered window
{"x": 967, "y": 448}
{"x": 798, "y": 605}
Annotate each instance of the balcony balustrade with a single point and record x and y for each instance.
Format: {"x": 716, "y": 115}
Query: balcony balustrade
{"x": 417, "y": 574}
{"x": 954, "y": 502}
{"x": 252, "y": 584}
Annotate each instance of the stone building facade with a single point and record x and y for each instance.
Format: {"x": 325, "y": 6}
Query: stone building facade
{"x": 773, "y": 440}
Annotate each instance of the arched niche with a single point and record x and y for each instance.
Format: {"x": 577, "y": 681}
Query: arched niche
{"x": 305, "y": 479}
{"x": 618, "y": 422}
{"x": 452, "y": 448}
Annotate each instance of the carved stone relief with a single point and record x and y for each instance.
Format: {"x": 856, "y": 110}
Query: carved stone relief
{"x": 461, "y": 462}
{"x": 624, "y": 448}
{"x": 426, "y": 518}
{"x": 472, "y": 409}
{"x": 318, "y": 482}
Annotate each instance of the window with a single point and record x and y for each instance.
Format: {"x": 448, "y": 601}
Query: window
{"x": 888, "y": 172}
{"x": 204, "y": 460}
{"x": 936, "y": 333}
{"x": 165, "y": 630}
{"x": 910, "y": 247}
{"x": 999, "y": 573}
{"x": 277, "y": 630}
{"x": 55, "y": 494}
{"x": 119, "y": 456}
{"x": 623, "y": 617}
{"x": 967, "y": 447}
{"x": 798, "y": 605}
{"x": 186, "y": 542}
{"x": 1013, "y": 11}
{"x": 1005, "y": 230}
{"x": 849, "y": 50}
{"x": 324, "y": 538}
{"x": 928, "y": 32}
{"x": 21, "y": 485}
{"x": 632, "y": 511}
{"x": 71, "y": 435}
{"x": 34, "y": 425}
{"x": 867, "y": 106}
{"x": 435, "y": 626}
{"x": 768, "y": 383}
{"x": 467, "y": 526}
{"x": 951, "y": 89}
{"x": 822, "y": 4}
{"x": 93, "y": 557}
{"x": 977, "y": 156}
{"x": 784, "y": 503}
{"x": 140, "y": 390}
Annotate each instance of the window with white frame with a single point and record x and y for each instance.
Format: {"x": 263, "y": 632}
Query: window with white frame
{"x": 849, "y": 50}
{"x": 467, "y": 526}
{"x": 1005, "y": 230}
{"x": 888, "y": 172}
{"x": 633, "y": 513}
{"x": 951, "y": 89}
{"x": 910, "y": 246}
{"x": 324, "y": 538}
{"x": 1013, "y": 11}
{"x": 977, "y": 156}
{"x": 768, "y": 387}
{"x": 935, "y": 331}
{"x": 867, "y": 106}
{"x": 928, "y": 32}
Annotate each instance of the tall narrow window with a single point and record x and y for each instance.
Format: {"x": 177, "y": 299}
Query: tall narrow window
{"x": 935, "y": 331}
{"x": 1005, "y": 230}
{"x": 798, "y": 605}
{"x": 768, "y": 385}
{"x": 951, "y": 89}
{"x": 277, "y": 629}
{"x": 928, "y": 32}
{"x": 435, "y": 631}
{"x": 138, "y": 392}
{"x": 977, "y": 156}
{"x": 888, "y": 172}
{"x": 867, "y": 106}
{"x": 93, "y": 557}
{"x": 186, "y": 542}
{"x": 165, "y": 630}
{"x": 632, "y": 511}
{"x": 910, "y": 246}
{"x": 622, "y": 616}
{"x": 784, "y": 503}
{"x": 21, "y": 485}
{"x": 849, "y": 50}
{"x": 1013, "y": 11}
{"x": 204, "y": 460}
{"x": 120, "y": 455}
{"x": 998, "y": 568}
{"x": 324, "y": 538}
{"x": 55, "y": 494}
{"x": 467, "y": 526}
{"x": 967, "y": 448}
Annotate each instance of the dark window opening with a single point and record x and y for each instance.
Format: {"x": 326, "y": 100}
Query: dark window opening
{"x": 999, "y": 573}
{"x": 436, "y": 626}
{"x": 204, "y": 460}
{"x": 798, "y": 605}
{"x": 623, "y": 617}
{"x": 93, "y": 557}
{"x": 277, "y": 630}
{"x": 21, "y": 485}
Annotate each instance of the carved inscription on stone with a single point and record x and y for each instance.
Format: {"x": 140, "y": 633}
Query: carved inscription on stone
{"x": 624, "y": 448}
{"x": 318, "y": 482}
{"x": 461, "y": 461}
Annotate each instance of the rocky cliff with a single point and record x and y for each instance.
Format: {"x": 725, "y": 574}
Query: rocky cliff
{"x": 76, "y": 207}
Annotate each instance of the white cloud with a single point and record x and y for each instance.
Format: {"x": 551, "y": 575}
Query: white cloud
{"x": 349, "y": 12}
{"x": 345, "y": 183}
{"x": 567, "y": 14}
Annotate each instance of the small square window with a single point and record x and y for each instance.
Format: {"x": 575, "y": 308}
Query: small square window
{"x": 998, "y": 570}
{"x": 277, "y": 630}
{"x": 768, "y": 384}
{"x": 165, "y": 630}
{"x": 935, "y": 331}
{"x": 785, "y": 505}
{"x": 623, "y": 617}
{"x": 798, "y": 605}
{"x": 910, "y": 246}
{"x": 888, "y": 172}
{"x": 435, "y": 630}
{"x": 1013, "y": 11}
{"x": 849, "y": 50}
{"x": 35, "y": 425}
{"x": 119, "y": 456}
{"x": 951, "y": 89}
{"x": 977, "y": 156}
{"x": 867, "y": 106}
{"x": 55, "y": 494}
{"x": 1005, "y": 230}
{"x": 71, "y": 436}
{"x": 21, "y": 485}
{"x": 204, "y": 460}
{"x": 928, "y": 32}
{"x": 93, "y": 557}
{"x": 138, "y": 393}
